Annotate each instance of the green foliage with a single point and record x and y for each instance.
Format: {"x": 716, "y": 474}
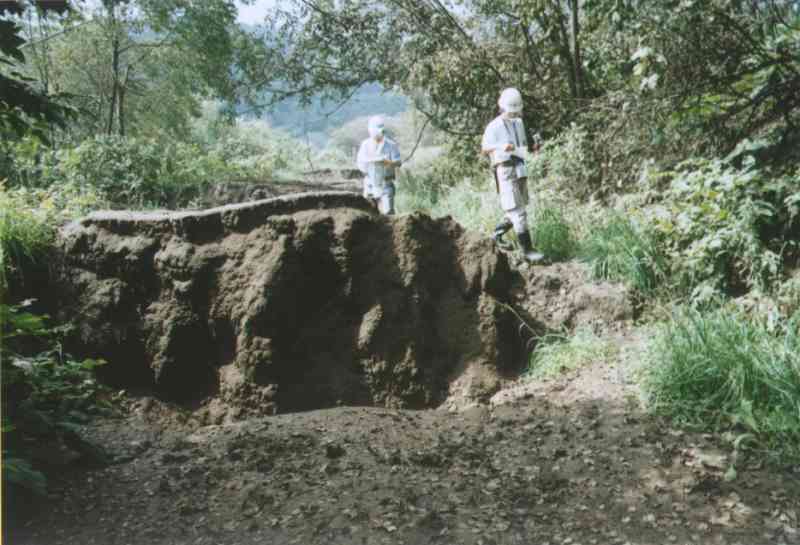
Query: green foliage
{"x": 556, "y": 354}
{"x": 45, "y": 394}
{"x": 24, "y": 107}
{"x": 24, "y": 235}
{"x": 445, "y": 186}
{"x": 322, "y": 122}
{"x": 721, "y": 369}
{"x": 139, "y": 172}
{"x": 148, "y": 172}
{"x": 623, "y": 251}
{"x": 552, "y": 234}
{"x": 28, "y": 219}
{"x": 19, "y": 471}
{"x": 139, "y": 67}
{"x": 722, "y": 227}
{"x": 565, "y": 163}
{"x": 249, "y": 150}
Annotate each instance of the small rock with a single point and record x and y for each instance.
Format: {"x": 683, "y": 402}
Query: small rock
{"x": 333, "y": 450}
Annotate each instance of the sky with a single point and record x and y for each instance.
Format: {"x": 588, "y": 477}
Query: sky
{"x": 251, "y": 15}
{"x": 254, "y": 14}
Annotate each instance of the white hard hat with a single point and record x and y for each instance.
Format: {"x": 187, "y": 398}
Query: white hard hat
{"x": 510, "y": 100}
{"x": 376, "y": 125}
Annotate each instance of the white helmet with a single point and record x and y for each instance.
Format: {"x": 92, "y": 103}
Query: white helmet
{"x": 376, "y": 126}
{"x": 510, "y": 100}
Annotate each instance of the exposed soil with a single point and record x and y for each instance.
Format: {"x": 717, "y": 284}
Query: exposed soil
{"x": 294, "y": 303}
{"x": 572, "y": 461}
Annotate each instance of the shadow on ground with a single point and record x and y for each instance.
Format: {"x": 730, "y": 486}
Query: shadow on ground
{"x": 531, "y": 471}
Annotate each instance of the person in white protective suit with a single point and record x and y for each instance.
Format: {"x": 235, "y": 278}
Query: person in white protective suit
{"x": 379, "y": 158}
{"x": 504, "y": 141}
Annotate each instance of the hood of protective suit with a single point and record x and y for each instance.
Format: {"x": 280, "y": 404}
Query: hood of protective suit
{"x": 510, "y": 100}
{"x": 376, "y": 126}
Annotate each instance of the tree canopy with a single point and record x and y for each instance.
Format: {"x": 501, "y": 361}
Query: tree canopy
{"x": 688, "y": 70}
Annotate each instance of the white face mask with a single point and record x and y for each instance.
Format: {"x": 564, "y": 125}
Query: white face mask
{"x": 376, "y": 132}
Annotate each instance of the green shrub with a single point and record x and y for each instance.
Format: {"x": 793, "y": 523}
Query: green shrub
{"x": 721, "y": 369}
{"x": 28, "y": 219}
{"x": 152, "y": 171}
{"x": 250, "y": 150}
{"x": 621, "y": 251}
{"x": 565, "y": 163}
{"x": 722, "y": 227}
{"x": 556, "y": 354}
{"x": 140, "y": 172}
{"x": 45, "y": 393}
{"x": 551, "y": 232}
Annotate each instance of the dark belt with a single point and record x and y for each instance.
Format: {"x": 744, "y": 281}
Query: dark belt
{"x": 514, "y": 161}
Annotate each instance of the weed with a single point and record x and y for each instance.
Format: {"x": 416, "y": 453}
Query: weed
{"x": 721, "y": 369}
{"x": 552, "y": 233}
{"x": 621, "y": 251}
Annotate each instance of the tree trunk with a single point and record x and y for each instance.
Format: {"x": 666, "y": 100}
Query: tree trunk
{"x": 577, "y": 63}
{"x": 114, "y": 82}
{"x": 121, "y": 112}
{"x": 563, "y": 44}
{"x": 122, "y": 89}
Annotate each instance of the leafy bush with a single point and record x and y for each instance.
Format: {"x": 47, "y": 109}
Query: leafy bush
{"x": 28, "y": 219}
{"x": 45, "y": 395}
{"x": 250, "y": 149}
{"x": 565, "y": 163}
{"x": 139, "y": 172}
{"x": 723, "y": 227}
{"x": 557, "y": 354}
{"x": 722, "y": 369}
{"x": 622, "y": 251}
{"x": 152, "y": 171}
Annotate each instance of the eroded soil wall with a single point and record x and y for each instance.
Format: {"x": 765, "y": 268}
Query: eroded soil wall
{"x": 288, "y": 304}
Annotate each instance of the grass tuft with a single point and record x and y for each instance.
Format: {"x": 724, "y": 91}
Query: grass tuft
{"x": 552, "y": 234}
{"x": 622, "y": 252}
{"x": 556, "y": 354}
{"x": 723, "y": 370}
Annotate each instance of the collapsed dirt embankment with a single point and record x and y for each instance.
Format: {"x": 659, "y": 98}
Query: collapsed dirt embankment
{"x": 289, "y": 304}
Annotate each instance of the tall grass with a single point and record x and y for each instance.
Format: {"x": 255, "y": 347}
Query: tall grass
{"x": 29, "y": 219}
{"x": 473, "y": 203}
{"x": 618, "y": 250}
{"x": 25, "y": 235}
{"x": 720, "y": 369}
{"x": 552, "y": 233}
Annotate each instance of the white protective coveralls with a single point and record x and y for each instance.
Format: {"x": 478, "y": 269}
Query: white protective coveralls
{"x": 511, "y": 176}
{"x": 379, "y": 177}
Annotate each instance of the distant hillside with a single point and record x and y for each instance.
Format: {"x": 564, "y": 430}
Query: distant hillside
{"x": 319, "y": 119}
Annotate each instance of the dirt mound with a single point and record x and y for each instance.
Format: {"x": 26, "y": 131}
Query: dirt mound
{"x": 289, "y": 304}
{"x": 563, "y": 297}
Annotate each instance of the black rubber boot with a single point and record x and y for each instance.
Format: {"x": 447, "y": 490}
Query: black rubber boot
{"x": 528, "y": 252}
{"x": 501, "y": 229}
